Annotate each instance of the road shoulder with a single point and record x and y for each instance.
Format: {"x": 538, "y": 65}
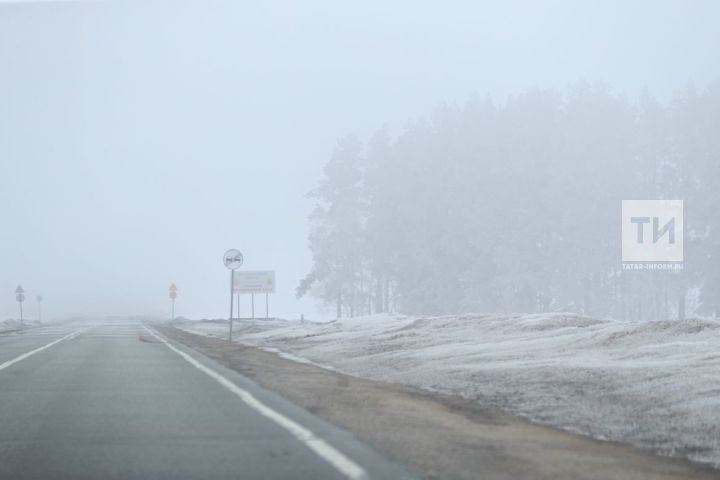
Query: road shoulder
{"x": 440, "y": 436}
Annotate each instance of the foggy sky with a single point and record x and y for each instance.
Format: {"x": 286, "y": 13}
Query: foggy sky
{"x": 139, "y": 141}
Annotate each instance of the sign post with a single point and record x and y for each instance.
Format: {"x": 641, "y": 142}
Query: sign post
{"x": 233, "y": 260}
{"x": 173, "y": 296}
{"x": 20, "y": 297}
{"x": 39, "y": 299}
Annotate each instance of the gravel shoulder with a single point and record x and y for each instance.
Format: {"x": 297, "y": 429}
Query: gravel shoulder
{"x": 440, "y": 436}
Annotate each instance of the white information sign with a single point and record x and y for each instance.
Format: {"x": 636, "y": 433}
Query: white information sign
{"x": 259, "y": 281}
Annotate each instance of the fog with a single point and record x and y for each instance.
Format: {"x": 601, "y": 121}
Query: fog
{"x": 139, "y": 141}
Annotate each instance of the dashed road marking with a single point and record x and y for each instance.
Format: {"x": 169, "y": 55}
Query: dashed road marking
{"x": 22, "y": 357}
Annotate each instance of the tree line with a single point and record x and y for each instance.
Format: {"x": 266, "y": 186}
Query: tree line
{"x": 515, "y": 206}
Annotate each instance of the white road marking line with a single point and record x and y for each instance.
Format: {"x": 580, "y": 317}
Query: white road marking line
{"x": 323, "y": 449}
{"x": 22, "y": 357}
{"x": 99, "y": 335}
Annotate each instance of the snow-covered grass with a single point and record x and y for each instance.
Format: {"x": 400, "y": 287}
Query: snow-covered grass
{"x": 11, "y": 325}
{"x": 651, "y": 384}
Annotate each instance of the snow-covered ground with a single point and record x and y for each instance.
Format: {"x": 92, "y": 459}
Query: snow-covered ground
{"x": 651, "y": 384}
{"x": 12, "y": 325}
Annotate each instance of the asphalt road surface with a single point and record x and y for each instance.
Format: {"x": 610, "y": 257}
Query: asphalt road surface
{"x": 117, "y": 400}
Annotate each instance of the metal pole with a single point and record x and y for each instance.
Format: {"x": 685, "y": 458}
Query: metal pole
{"x": 40, "y": 312}
{"x": 232, "y": 297}
{"x": 252, "y": 295}
{"x": 173, "y": 310}
{"x": 266, "y": 307}
{"x": 21, "y": 314}
{"x": 238, "y": 306}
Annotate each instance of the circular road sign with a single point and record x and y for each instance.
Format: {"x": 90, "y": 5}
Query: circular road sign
{"x": 233, "y": 259}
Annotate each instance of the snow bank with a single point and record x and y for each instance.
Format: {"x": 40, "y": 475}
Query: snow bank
{"x": 11, "y": 325}
{"x": 655, "y": 385}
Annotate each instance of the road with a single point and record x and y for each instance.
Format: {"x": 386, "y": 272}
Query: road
{"x": 118, "y": 400}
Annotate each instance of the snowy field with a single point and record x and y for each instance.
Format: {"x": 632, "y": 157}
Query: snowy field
{"x": 655, "y": 385}
{"x": 12, "y": 325}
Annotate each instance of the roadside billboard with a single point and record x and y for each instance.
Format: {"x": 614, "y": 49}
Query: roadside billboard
{"x": 259, "y": 281}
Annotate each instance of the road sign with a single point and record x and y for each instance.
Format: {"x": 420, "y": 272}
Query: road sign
{"x": 20, "y": 297}
{"x": 260, "y": 281}
{"x": 233, "y": 259}
{"x": 20, "y": 294}
{"x": 173, "y": 296}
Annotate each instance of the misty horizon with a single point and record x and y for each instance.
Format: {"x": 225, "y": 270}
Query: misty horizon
{"x": 141, "y": 141}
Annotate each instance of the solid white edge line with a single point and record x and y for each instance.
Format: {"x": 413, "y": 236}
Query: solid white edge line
{"x": 323, "y": 449}
{"x": 22, "y": 357}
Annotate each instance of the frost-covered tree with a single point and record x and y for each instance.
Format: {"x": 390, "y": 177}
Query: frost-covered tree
{"x": 515, "y": 207}
{"x": 336, "y": 236}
